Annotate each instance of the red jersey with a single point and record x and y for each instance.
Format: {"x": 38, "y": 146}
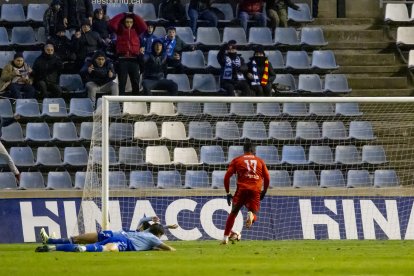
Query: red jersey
{"x": 251, "y": 173}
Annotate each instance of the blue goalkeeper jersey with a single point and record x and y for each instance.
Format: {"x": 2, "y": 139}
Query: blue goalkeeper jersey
{"x": 141, "y": 241}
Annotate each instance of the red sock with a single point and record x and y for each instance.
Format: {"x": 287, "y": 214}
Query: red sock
{"x": 229, "y": 224}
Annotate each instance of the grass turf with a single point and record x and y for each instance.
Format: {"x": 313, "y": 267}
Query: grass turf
{"x": 209, "y": 258}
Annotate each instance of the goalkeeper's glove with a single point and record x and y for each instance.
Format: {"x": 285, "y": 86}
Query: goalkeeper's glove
{"x": 229, "y": 198}
{"x": 262, "y": 194}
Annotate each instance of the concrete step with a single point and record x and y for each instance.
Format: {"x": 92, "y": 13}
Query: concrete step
{"x": 347, "y": 22}
{"x": 382, "y": 92}
{"x": 373, "y": 70}
{"x": 355, "y": 35}
{"x": 379, "y": 45}
{"x": 367, "y": 59}
{"x": 356, "y": 82}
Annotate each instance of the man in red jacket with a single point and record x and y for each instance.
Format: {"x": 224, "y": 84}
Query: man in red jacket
{"x": 128, "y": 28}
{"x": 251, "y": 9}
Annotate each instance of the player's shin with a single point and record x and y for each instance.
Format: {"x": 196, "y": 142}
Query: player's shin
{"x": 59, "y": 241}
{"x": 229, "y": 224}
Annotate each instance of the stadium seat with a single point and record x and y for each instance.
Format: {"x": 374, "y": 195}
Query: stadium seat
{"x": 212, "y": 155}
{"x": 324, "y": 60}
{"x": 405, "y": 37}
{"x": 294, "y": 155}
{"x": 30, "y": 56}
{"x": 114, "y": 108}
{"x": 157, "y": 155}
{"x": 146, "y": 11}
{"x": 217, "y": 180}
{"x": 160, "y": 31}
{"x": 35, "y": 12}
{"x": 312, "y": 36}
{"x": 234, "y": 151}
{"x": 120, "y": 132}
{"x": 96, "y": 153}
{"x": 48, "y": 157}
{"x": 80, "y": 178}
{"x": 334, "y": 131}
{"x": 189, "y": 109}
{"x": 186, "y": 156}
{"x": 141, "y": 179}
{"x": 114, "y": 9}
{"x": 234, "y": 33}
{"x": 348, "y": 109}
{"x": 38, "y": 132}
{"x": 12, "y": 133}
{"x": 196, "y": 179}
{"x": 4, "y": 37}
{"x": 135, "y": 109}
{"x": 226, "y": 9}
{"x": 304, "y": 179}
{"x": 71, "y": 83}
{"x": 200, "y": 130}
{"x": 181, "y": 80}
{"x": 186, "y": 34}
{"x": 302, "y": 15}
{"x": 310, "y": 83}
{"x": 23, "y": 36}
{"x": 6, "y": 110}
{"x": 332, "y": 178}
{"x": 287, "y": 81}
{"x": 212, "y": 62}
{"x": 41, "y": 35}
{"x": 131, "y": 156}
{"x": 54, "y": 108}
{"x": 22, "y": 156}
{"x": 297, "y": 60}
{"x": 410, "y": 59}
{"x": 146, "y": 130}
{"x": 385, "y": 178}
{"x": 246, "y": 55}
{"x": 193, "y": 60}
{"x": 162, "y": 109}
{"x": 169, "y": 179}
{"x": 31, "y": 180}
{"x": 208, "y": 36}
{"x": 281, "y": 131}
{"x": 227, "y": 130}
{"x": 361, "y": 130}
{"x": 28, "y": 108}
{"x": 373, "y": 155}
{"x": 396, "y": 12}
{"x": 65, "y": 132}
{"x": 242, "y": 109}
{"x": 321, "y": 155}
{"x": 336, "y": 83}
{"x": 254, "y": 131}
{"x": 58, "y": 180}
{"x": 205, "y": 83}
{"x": 216, "y": 109}
{"x": 358, "y": 179}
{"x": 295, "y": 109}
{"x": 322, "y": 109}
{"x": 279, "y": 179}
{"x": 286, "y": 36}
{"x": 173, "y": 131}
{"x": 348, "y": 155}
{"x": 268, "y": 109}
{"x": 117, "y": 180}
{"x": 269, "y": 154}
{"x": 86, "y": 131}
{"x": 80, "y": 107}
{"x": 276, "y": 59}
{"x": 260, "y": 36}
{"x": 308, "y": 131}
{"x": 75, "y": 157}
{"x": 7, "y": 180}
{"x": 12, "y": 13}
{"x": 5, "y": 58}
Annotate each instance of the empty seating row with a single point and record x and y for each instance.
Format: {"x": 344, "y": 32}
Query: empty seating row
{"x": 22, "y": 36}
{"x": 200, "y": 179}
{"x": 398, "y": 13}
{"x": 15, "y": 12}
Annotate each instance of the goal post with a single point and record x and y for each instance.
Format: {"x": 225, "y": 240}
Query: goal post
{"x": 340, "y": 167}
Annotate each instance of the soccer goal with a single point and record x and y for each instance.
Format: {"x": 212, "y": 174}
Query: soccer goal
{"x": 340, "y": 167}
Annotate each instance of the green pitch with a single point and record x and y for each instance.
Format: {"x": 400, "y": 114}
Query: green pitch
{"x": 210, "y": 258}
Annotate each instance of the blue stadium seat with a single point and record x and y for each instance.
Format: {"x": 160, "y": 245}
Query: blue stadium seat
{"x": 287, "y": 81}
{"x": 216, "y": 109}
{"x": 332, "y": 178}
{"x": 30, "y": 56}
{"x": 268, "y": 109}
{"x": 321, "y": 155}
{"x": 169, "y": 179}
{"x": 304, "y": 179}
{"x": 182, "y": 82}
{"x": 212, "y": 62}
{"x": 65, "y": 132}
{"x": 35, "y": 12}
{"x": 348, "y": 155}
{"x": 6, "y": 110}
{"x": 120, "y": 132}
{"x": 160, "y": 31}
{"x": 217, "y": 180}
{"x": 75, "y": 156}
{"x": 38, "y": 132}
{"x": 146, "y": 11}
{"x": 227, "y": 130}
{"x": 295, "y": 109}
{"x": 79, "y": 181}
{"x": 297, "y": 60}
{"x": 234, "y": 33}
{"x": 186, "y": 34}
{"x": 114, "y": 9}
{"x": 23, "y": 36}
{"x": 193, "y": 60}
{"x": 131, "y": 156}
{"x": 358, "y": 179}
{"x": 97, "y": 155}
{"x": 5, "y": 58}
{"x": 31, "y": 180}
{"x": 310, "y": 83}
{"x": 41, "y": 35}
{"x": 4, "y": 38}
{"x": 7, "y": 180}
{"x": 117, "y": 180}
{"x": 157, "y": 155}
{"x": 71, "y": 83}
{"x": 385, "y": 178}
{"x": 54, "y": 108}
{"x": 324, "y": 60}
{"x": 88, "y": 177}
{"x": 208, "y": 36}
{"x": 114, "y": 108}
{"x": 294, "y": 155}
{"x": 261, "y": 36}
{"x": 205, "y": 83}
{"x": 254, "y": 131}
{"x": 22, "y": 156}
{"x": 226, "y": 9}
{"x": 189, "y": 109}
{"x": 373, "y": 155}
{"x": 276, "y": 59}
{"x": 12, "y": 13}
{"x": 279, "y": 179}
{"x": 196, "y": 179}
{"x": 348, "y": 109}
{"x": 322, "y": 109}
{"x": 212, "y": 155}
{"x": 302, "y": 15}
{"x": 234, "y": 151}
{"x": 334, "y": 131}
{"x": 312, "y": 36}
{"x": 28, "y": 108}
{"x": 242, "y": 109}
{"x": 48, "y": 157}
{"x": 361, "y": 130}
{"x": 246, "y": 55}
{"x": 86, "y": 130}
{"x": 200, "y": 130}
{"x": 286, "y": 36}
{"x": 141, "y": 179}
{"x": 58, "y": 180}
{"x": 336, "y": 83}
{"x": 12, "y": 133}
{"x": 269, "y": 154}
{"x": 81, "y": 107}
{"x": 281, "y": 131}
{"x": 308, "y": 131}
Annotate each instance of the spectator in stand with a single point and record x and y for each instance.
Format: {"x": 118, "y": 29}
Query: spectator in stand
{"x": 277, "y": 12}
{"x": 233, "y": 69}
{"x": 75, "y": 12}
{"x": 173, "y": 11}
{"x": 85, "y": 42}
{"x": 251, "y": 9}
{"x": 99, "y": 74}
{"x": 174, "y": 46}
{"x": 260, "y": 73}
{"x": 155, "y": 65}
{"x": 100, "y": 25}
{"x": 53, "y": 18}
{"x": 15, "y": 80}
{"x": 62, "y": 45}
{"x": 147, "y": 38}
{"x": 46, "y": 71}
{"x": 201, "y": 9}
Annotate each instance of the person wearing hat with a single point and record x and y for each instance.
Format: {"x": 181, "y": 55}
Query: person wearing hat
{"x": 15, "y": 80}
{"x": 147, "y": 38}
{"x": 155, "y": 69}
{"x": 99, "y": 74}
{"x": 75, "y": 12}
{"x": 260, "y": 73}
{"x": 233, "y": 69}
{"x": 53, "y": 18}
{"x": 62, "y": 45}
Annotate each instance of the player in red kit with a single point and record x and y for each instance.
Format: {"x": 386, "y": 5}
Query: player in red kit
{"x": 251, "y": 173}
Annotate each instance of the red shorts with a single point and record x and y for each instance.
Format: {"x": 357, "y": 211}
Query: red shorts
{"x": 248, "y": 198}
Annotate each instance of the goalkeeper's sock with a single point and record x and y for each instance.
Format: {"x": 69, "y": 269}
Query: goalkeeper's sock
{"x": 66, "y": 247}
{"x": 94, "y": 248}
{"x": 59, "y": 241}
{"x": 229, "y": 224}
